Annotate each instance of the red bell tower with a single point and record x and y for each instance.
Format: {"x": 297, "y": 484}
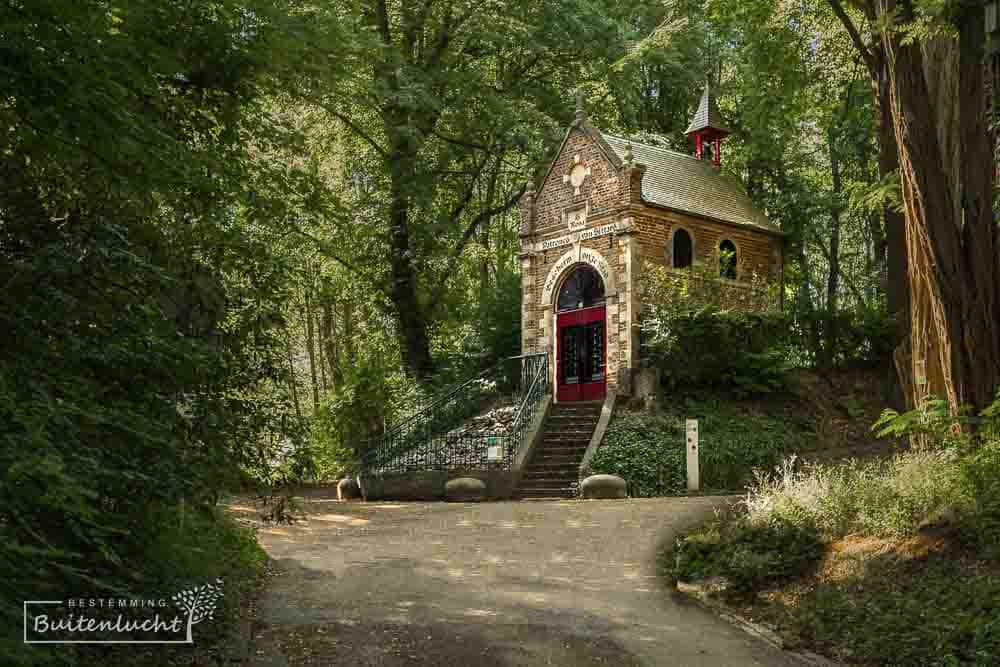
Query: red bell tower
{"x": 707, "y": 130}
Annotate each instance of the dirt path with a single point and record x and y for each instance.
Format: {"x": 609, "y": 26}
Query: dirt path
{"x": 532, "y": 583}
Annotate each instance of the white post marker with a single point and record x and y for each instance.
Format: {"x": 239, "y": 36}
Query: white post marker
{"x": 692, "y": 454}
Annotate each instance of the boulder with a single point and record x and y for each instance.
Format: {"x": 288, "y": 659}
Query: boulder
{"x": 348, "y": 489}
{"x": 603, "y": 486}
{"x": 465, "y": 489}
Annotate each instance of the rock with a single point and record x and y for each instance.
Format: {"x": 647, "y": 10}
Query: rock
{"x": 465, "y": 489}
{"x": 603, "y": 486}
{"x": 348, "y": 489}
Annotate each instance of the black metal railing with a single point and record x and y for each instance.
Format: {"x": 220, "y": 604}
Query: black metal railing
{"x": 476, "y": 424}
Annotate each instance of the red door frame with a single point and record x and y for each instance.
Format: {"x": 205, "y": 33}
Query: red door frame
{"x": 581, "y": 391}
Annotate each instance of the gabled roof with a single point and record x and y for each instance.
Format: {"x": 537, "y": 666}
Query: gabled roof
{"x": 581, "y": 123}
{"x": 685, "y": 183}
{"x": 707, "y": 115}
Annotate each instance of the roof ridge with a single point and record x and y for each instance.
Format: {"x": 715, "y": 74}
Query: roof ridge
{"x": 659, "y": 148}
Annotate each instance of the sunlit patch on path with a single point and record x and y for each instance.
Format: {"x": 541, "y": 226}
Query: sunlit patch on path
{"x": 531, "y": 583}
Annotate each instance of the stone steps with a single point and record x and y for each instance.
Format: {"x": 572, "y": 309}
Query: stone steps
{"x": 546, "y": 494}
{"x": 553, "y": 470}
{"x": 563, "y": 474}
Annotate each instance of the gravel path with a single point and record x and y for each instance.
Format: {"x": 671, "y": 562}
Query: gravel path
{"x": 515, "y": 583}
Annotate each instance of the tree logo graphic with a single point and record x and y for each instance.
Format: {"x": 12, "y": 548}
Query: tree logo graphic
{"x": 199, "y": 603}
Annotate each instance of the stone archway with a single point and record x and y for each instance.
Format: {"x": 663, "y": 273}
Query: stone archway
{"x": 580, "y": 335}
{"x": 565, "y": 264}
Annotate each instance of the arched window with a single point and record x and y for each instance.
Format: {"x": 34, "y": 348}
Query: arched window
{"x": 583, "y": 288}
{"x": 727, "y": 259}
{"x": 682, "y": 250}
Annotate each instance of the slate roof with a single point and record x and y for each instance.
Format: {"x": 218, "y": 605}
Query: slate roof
{"x": 685, "y": 183}
{"x": 707, "y": 115}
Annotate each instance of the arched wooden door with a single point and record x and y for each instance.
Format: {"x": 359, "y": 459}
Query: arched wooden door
{"x": 581, "y": 338}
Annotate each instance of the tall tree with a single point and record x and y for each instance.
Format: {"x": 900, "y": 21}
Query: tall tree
{"x": 446, "y": 101}
{"x": 946, "y": 166}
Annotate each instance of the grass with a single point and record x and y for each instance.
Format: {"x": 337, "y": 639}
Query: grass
{"x": 881, "y": 563}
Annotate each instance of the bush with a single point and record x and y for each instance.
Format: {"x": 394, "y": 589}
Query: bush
{"x": 865, "y": 336}
{"x": 179, "y": 547}
{"x": 369, "y": 397}
{"x": 744, "y": 554}
{"x": 981, "y": 472}
{"x": 714, "y": 349}
{"x": 699, "y": 337}
{"x": 648, "y": 450}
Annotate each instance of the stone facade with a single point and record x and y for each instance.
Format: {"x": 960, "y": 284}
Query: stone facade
{"x": 589, "y": 210}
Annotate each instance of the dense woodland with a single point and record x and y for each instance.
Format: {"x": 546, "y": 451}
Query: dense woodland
{"x": 237, "y": 237}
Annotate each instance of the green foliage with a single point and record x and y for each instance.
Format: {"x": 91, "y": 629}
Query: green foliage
{"x": 697, "y": 343}
{"x": 788, "y": 513}
{"x": 745, "y": 554}
{"x": 877, "y": 612}
{"x": 648, "y": 450}
{"x": 500, "y": 318}
{"x": 976, "y": 439}
{"x": 706, "y": 348}
{"x": 142, "y": 282}
{"x": 183, "y": 544}
{"x": 178, "y": 546}
{"x": 349, "y": 418}
{"x": 865, "y": 336}
{"x": 981, "y": 471}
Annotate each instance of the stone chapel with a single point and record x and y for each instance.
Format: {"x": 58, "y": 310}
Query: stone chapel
{"x": 606, "y": 206}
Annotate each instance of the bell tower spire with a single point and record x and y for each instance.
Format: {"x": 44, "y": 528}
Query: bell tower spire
{"x": 707, "y": 128}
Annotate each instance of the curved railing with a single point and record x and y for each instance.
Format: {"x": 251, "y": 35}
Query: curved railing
{"x": 432, "y": 438}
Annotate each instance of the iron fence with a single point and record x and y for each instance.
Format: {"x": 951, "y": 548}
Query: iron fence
{"x": 440, "y": 436}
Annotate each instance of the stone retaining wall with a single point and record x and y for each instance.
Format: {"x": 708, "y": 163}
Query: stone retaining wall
{"x": 429, "y": 485}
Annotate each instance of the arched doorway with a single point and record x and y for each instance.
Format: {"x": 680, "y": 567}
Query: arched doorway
{"x": 581, "y": 337}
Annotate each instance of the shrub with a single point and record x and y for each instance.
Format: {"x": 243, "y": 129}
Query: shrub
{"x": 981, "y": 472}
{"x": 696, "y": 340}
{"x": 745, "y": 554}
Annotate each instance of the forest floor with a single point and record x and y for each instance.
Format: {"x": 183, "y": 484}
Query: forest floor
{"x": 509, "y": 583}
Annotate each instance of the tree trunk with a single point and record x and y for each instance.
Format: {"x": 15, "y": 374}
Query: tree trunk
{"x": 291, "y": 377}
{"x": 950, "y": 234}
{"x": 980, "y": 239}
{"x": 896, "y": 264}
{"x": 329, "y": 328}
{"x": 897, "y": 292}
{"x": 926, "y": 199}
{"x": 897, "y": 288}
{"x": 414, "y": 340}
{"x": 311, "y": 347}
{"x": 830, "y": 328}
{"x": 484, "y": 263}
{"x": 320, "y": 349}
{"x": 347, "y": 317}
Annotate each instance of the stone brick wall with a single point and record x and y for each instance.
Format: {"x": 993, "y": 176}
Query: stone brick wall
{"x": 756, "y": 251}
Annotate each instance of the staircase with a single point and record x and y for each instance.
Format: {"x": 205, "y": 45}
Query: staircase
{"x": 554, "y": 467}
